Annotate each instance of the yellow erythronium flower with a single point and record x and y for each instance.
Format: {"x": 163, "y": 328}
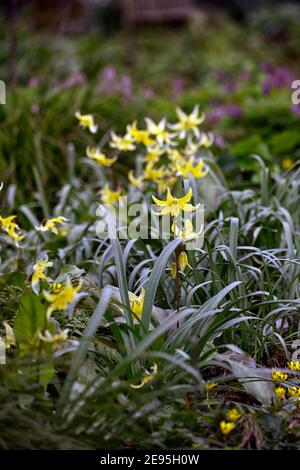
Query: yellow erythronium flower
{"x": 188, "y": 122}
{"x": 38, "y": 273}
{"x": 183, "y": 261}
{"x": 9, "y": 340}
{"x": 173, "y": 205}
{"x": 124, "y": 144}
{"x": 294, "y": 391}
{"x": 137, "y": 182}
{"x": 57, "y": 339}
{"x": 191, "y": 147}
{"x": 108, "y": 196}
{"x": 173, "y": 270}
{"x": 210, "y": 385}
{"x": 175, "y": 155}
{"x": 186, "y": 168}
{"x": 154, "y": 174}
{"x": 188, "y": 232}
{"x": 163, "y": 184}
{"x": 153, "y": 154}
{"x": 51, "y": 224}
{"x": 233, "y": 415}
{"x": 138, "y": 135}
{"x": 294, "y": 365}
{"x": 87, "y": 121}
{"x": 137, "y": 302}
{"x": 287, "y": 163}
{"x": 95, "y": 154}
{"x": 148, "y": 377}
{"x": 278, "y": 376}
{"x": 11, "y": 228}
{"x": 206, "y": 140}
{"x": 226, "y": 427}
{"x": 56, "y": 287}
{"x": 61, "y": 300}
{"x": 159, "y": 131}
{"x": 280, "y": 392}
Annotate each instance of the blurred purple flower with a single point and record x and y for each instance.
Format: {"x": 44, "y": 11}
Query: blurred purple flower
{"x": 230, "y": 86}
{"x": 219, "y": 75}
{"x": 219, "y": 140}
{"x": 266, "y": 67}
{"x": 148, "y": 93}
{"x": 108, "y": 74}
{"x": 295, "y": 109}
{"x": 75, "y": 79}
{"x": 276, "y": 77}
{"x": 177, "y": 85}
{"x": 234, "y": 111}
{"x": 266, "y": 87}
{"x": 33, "y": 81}
{"x": 35, "y": 108}
{"x": 126, "y": 87}
{"x": 110, "y": 83}
{"x": 216, "y": 114}
{"x": 220, "y": 111}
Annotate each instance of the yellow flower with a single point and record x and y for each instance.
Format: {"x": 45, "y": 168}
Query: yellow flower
{"x": 188, "y": 232}
{"x": 137, "y": 182}
{"x": 122, "y": 143}
{"x": 233, "y": 415}
{"x": 154, "y": 174}
{"x": 173, "y": 270}
{"x": 63, "y": 231}
{"x": 185, "y": 168}
{"x": 210, "y": 385}
{"x": 108, "y": 196}
{"x": 175, "y": 155}
{"x": 147, "y": 377}
{"x": 99, "y": 157}
{"x": 137, "y": 302}
{"x": 153, "y": 154}
{"x": 188, "y": 122}
{"x": 56, "y": 287}
{"x": 159, "y": 131}
{"x": 61, "y": 300}
{"x": 280, "y": 392}
{"x": 173, "y": 205}
{"x": 38, "y": 273}
{"x": 57, "y": 339}
{"x": 9, "y": 340}
{"x": 294, "y": 365}
{"x": 226, "y": 427}
{"x": 183, "y": 261}
{"x": 138, "y": 135}
{"x": 11, "y": 228}
{"x": 287, "y": 163}
{"x": 163, "y": 184}
{"x": 86, "y": 121}
{"x": 191, "y": 148}
{"x": 206, "y": 140}
{"x": 50, "y": 224}
{"x": 278, "y": 376}
{"x": 294, "y": 391}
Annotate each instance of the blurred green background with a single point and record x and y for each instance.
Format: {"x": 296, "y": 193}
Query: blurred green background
{"x": 57, "y": 57}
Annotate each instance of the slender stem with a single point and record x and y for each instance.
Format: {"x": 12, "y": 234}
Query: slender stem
{"x": 177, "y": 252}
{"x": 113, "y": 177}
